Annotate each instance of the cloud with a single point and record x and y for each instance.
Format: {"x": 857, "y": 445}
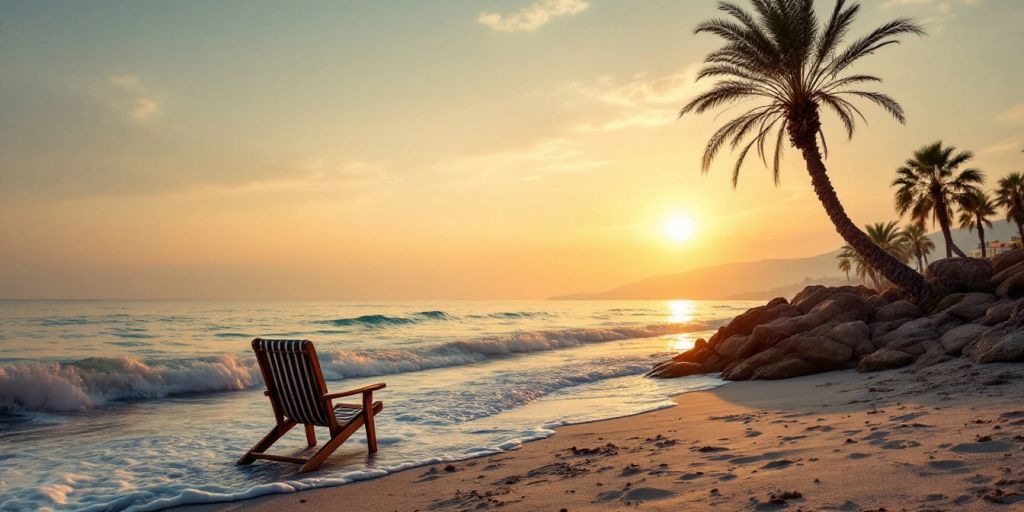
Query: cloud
{"x": 1014, "y": 115}
{"x": 139, "y": 102}
{"x": 551, "y": 155}
{"x": 533, "y": 16}
{"x": 933, "y": 13}
{"x": 643, "y": 102}
{"x": 1015, "y": 144}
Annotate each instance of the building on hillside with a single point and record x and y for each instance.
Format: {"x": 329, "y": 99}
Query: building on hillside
{"x": 997, "y": 247}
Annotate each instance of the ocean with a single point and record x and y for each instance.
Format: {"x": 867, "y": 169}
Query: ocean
{"x": 143, "y": 405}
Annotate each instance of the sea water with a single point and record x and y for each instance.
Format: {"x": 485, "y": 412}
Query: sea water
{"x": 144, "y": 405}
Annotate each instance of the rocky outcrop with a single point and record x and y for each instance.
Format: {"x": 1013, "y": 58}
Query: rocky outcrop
{"x": 981, "y": 317}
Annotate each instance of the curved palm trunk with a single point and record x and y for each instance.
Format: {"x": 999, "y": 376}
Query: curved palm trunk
{"x": 803, "y": 125}
{"x": 981, "y": 237}
{"x": 942, "y": 214}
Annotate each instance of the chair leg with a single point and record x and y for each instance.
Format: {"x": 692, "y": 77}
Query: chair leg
{"x": 268, "y": 440}
{"x": 328, "y": 448}
{"x": 310, "y": 436}
{"x": 371, "y": 432}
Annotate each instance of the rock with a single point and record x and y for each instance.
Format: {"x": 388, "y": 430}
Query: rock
{"x": 784, "y": 369}
{"x": 960, "y": 274}
{"x": 879, "y": 329}
{"x": 747, "y": 321}
{"x": 1012, "y": 287}
{"x": 698, "y": 354}
{"x": 823, "y": 351}
{"x": 1001, "y": 262}
{"x": 909, "y": 336}
{"x": 998, "y": 313}
{"x": 1007, "y": 348}
{"x": 898, "y": 310}
{"x": 776, "y": 302}
{"x": 949, "y": 300}
{"x": 811, "y": 296}
{"x": 670, "y": 369}
{"x": 851, "y": 334}
{"x": 972, "y": 306}
{"x": 894, "y": 294}
{"x": 954, "y": 340}
{"x": 884, "y": 359}
{"x": 1004, "y": 273}
{"x": 876, "y": 302}
{"x": 775, "y": 331}
{"x": 933, "y": 355}
{"x": 735, "y": 347}
{"x": 745, "y": 369}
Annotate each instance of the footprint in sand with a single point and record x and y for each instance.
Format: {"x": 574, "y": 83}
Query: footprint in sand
{"x": 982, "y": 447}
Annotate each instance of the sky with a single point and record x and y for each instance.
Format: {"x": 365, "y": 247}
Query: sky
{"x": 473, "y": 149}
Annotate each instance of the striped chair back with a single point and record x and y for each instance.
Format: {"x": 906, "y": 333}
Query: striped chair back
{"x": 294, "y": 381}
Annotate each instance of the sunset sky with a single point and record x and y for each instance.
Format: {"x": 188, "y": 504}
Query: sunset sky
{"x": 450, "y": 149}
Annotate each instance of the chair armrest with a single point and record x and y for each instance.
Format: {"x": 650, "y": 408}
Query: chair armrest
{"x": 358, "y": 391}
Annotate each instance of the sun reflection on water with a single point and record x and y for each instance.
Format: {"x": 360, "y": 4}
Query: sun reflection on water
{"x": 681, "y": 342}
{"x": 681, "y": 311}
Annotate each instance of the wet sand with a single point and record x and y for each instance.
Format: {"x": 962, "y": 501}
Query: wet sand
{"x": 949, "y": 437}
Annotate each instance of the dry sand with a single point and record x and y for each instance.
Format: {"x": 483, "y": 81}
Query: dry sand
{"x": 950, "y": 437}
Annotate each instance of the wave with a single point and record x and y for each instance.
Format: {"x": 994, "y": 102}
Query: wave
{"x": 339, "y": 364}
{"x": 384, "y": 320}
{"x": 512, "y": 314}
{"x": 93, "y": 382}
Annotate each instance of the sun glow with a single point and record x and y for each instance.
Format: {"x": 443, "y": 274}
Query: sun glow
{"x": 680, "y": 228}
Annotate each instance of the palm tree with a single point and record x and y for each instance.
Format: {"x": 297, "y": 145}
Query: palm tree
{"x": 793, "y": 66}
{"x": 928, "y": 185}
{"x": 845, "y": 264}
{"x": 1010, "y": 195}
{"x": 975, "y": 210}
{"x": 888, "y": 237}
{"x": 920, "y": 246}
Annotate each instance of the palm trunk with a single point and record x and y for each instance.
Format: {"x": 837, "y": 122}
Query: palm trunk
{"x": 942, "y": 214}
{"x": 1020, "y": 230}
{"x": 920, "y": 265}
{"x": 803, "y": 125}
{"x": 981, "y": 237}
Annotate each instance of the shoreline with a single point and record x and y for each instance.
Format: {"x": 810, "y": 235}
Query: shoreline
{"x": 903, "y": 440}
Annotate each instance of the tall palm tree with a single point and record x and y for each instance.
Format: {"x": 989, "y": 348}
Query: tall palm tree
{"x": 845, "y": 264}
{"x": 1010, "y": 195}
{"x": 918, "y": 243}
{"x": 976, "y": 208}
{"x": 929, "y": 184}
{"x": 888, "y": 237}
{"x": 781, "y": 57}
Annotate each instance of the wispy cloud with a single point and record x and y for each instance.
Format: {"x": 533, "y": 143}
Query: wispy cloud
{"x": 1015, "y": 144}
{"x": 643, "y": 102}
{"x": 933, "y": 13}
{"x": 533, "y": 16}
{"x": 1013, "y": 115}
{"x": 141, "y": 104}
{"x": 552, "y": 155}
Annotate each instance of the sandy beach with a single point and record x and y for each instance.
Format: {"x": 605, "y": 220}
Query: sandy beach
{"x": 949, "y": 437}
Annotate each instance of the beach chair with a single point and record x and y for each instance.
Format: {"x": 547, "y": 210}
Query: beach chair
{"x": 298, "y": 394}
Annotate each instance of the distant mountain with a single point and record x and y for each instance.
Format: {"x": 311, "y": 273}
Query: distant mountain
{"x": 765, "y": 278}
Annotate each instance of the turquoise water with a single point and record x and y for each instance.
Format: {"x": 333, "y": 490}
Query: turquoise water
{"x": 143, "y": 405}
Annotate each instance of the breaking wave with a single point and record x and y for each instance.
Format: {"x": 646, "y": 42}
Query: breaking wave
{"x": 93, "y": 382}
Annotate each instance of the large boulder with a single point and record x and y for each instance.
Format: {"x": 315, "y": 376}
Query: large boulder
{"x": 960, "y": 274}
{"x": 898, "y": 310}
{"x": 1001, "y": 262}
{"x": 1012, "y": 287}
{"x": 747, "y": 321}
{"x": 954, "y": 340}
{"x": 998, "y": 345}
{"x": 998, "y": 312}
{"x": 744, "y": 370}
{"x": 671, "y": 369}
{"x": 784, "y": 369}
{"x": 884, "y": 359}
{"x": 970, "y": 307}
{"x": 822, "y": 351}
{"x": 856, "y": 335}
{"x": 908, "y": 335}
{"x": 811, "y": 296}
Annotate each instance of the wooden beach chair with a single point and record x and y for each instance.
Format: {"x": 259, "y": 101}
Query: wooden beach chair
{"x": 298, "y": 394}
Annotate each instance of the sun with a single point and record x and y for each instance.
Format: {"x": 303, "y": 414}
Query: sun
{"x": 680, "y": 228}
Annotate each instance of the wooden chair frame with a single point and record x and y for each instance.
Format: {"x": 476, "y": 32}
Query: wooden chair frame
{"x": 339, "y": 432}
